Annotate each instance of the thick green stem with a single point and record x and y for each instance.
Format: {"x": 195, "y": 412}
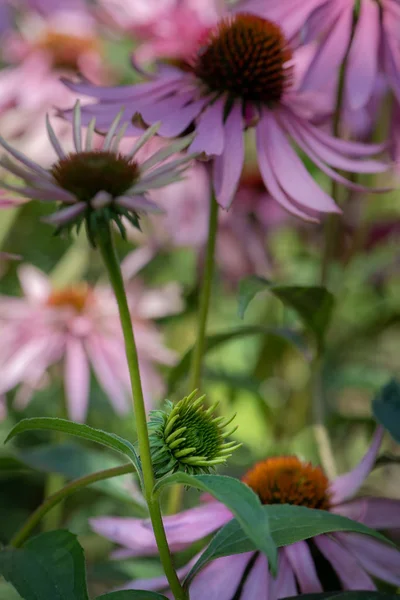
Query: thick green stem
{"x": 54, "y": 500}
{"x": 198, "y": 351}
{"x": 110, "y": 258}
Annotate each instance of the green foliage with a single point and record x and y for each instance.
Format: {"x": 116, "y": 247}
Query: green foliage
{"x": 313, "y": 304}
{"x": 240, "y": 499}
{"x": 288, "y": 524}
{"x": 110, "y": 440}
{"x": 386, "y": 407}
{"x": 50, "y": 566}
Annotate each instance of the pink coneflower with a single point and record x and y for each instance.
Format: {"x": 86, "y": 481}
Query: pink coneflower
{"x": 94, "y": 185}
{"x": 78, "y": 327}
{"x": 165, "y": 28}
{"x": 243, "y": 75}
{"x": 49, "y": 40}
{"x": 351, "y": 559}
{"x": 373, "y": 32}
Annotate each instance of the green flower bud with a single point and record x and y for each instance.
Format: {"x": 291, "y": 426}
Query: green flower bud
{"x": 188, "y": 437}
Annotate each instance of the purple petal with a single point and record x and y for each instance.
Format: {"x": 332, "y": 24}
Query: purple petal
{"x": 382, "y": 561}
{"x": 52, "y": 194}
{"x": 284, "y": 585}
{"x": 77, "y": 378}
{"x": 181, "y": 529}
{"x": 66, "y": 215}
{"x": 160, "y": 111}
{"x": 25, "y": 160}
{"x": 228, "y": 166}
{"x": 299, "y": 557}
{"x": 210, "y": 130}
{"x": 257, "y": 581}
{"x": 175, "y": 123}
{"x": 331, "y": 51}
{"x": 362, "y": 63}
{"x": 138, "y": 203}
{"x": 220, "y": 579}
{"x": 54, "y": 140}
{"x": 346, "y": 486}
{"x": 161, "y": 582}
{"x": 328, "y": 154}
{"x": 377, "y": 513}
{"x": 347, "y": 568}
{"x": 269, "y": 178}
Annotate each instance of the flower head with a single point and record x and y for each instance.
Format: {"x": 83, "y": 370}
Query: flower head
{"x": 244, "y": 74}
{"x": 77, "y": 327}
{"x": 349, "y": 560}
{"x": 188, "y": 437}
{"x": 95, "y": 186}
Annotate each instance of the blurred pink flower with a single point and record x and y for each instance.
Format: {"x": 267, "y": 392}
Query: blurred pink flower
{"x": 46, "y": 45}
{"x": 220, "y": 96}
{"x": 166, "y": 28}
{"x": 353, "y": 558}
{"x": 78, "y": 326}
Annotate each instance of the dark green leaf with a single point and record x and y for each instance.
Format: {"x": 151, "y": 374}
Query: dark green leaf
{"x": 288, "y": 524}
{"x": 240, "y": 499}
{"x": 110, "y": 440}
{"x": 313, "y": 304}
{"x": 50, "y": 566}
{"x": 132, "y": 595}
{"x": 75, "y": 461}
{"x": 212, "y": 341}
{"x": 386, "y": 408}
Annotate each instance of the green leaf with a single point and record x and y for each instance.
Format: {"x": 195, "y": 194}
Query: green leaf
{"x": 132, "y": 595}
{"x": 76, "y": 460}
{"x": 212, "y": 341}
{"x": 50, "y": 566}
{"x": 348, "y": 596}
{"x": 288, "y": 524}
{"x": 313, "y": 304}
{"x": 110, "y": 440}
{"x": 386, "y": 408}
{"x": 240, "y": 499}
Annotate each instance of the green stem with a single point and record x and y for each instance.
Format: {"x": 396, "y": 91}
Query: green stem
{"x": 59, "y": 496}
{"x": 198, "y": 351}
{"x": 110, "y": 258}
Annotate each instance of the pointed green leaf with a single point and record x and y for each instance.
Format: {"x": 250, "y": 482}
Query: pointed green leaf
{"x": 313, "y": 304}
{"x": 110, "y": 440}
{"x": 50, "y": 566}
{"x": 213, "y": 341}
{"x": 288, "y": 524}
{"x": 240, "y": 499}
{"x": 386, "y": 408}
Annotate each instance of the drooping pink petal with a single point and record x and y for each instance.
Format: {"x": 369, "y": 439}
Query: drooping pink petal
{"x": 330, "y": 52}
{"x": 228, "y": 166}
{"x": 347, "y": 485}
{"x": 284, "y": 585}
{"x": 34, "y": 283}
{"x": 377, "y": 513}
{"x": 105, "y": 373}
{"x": 291, "y": 173}
{"x": 161, "y": 582}
{"x": 210, "y": 130}
{"x": 391, "y": 58}
{"x": 257, "y": 581}
{"x": 181, "y": 529}
{"x": 301, "y": 561}
{"x": 66, "y": 215}
{"x": 76, "y": 378}
{"x": 175, "y": 123}
{"x": 379, "y": 559}
{"x": 269, "y": 178}
{"x": 362, "y": 63}
{"x": 220, "y": 579}
{"x": 346, "y": 565}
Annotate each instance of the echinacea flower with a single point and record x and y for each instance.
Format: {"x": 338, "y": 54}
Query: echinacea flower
{"x": 78, "y": 328}
{"x": 243, "y": 75}
{"x": 349, "y": 559}
{"x": 96, "y": 185}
